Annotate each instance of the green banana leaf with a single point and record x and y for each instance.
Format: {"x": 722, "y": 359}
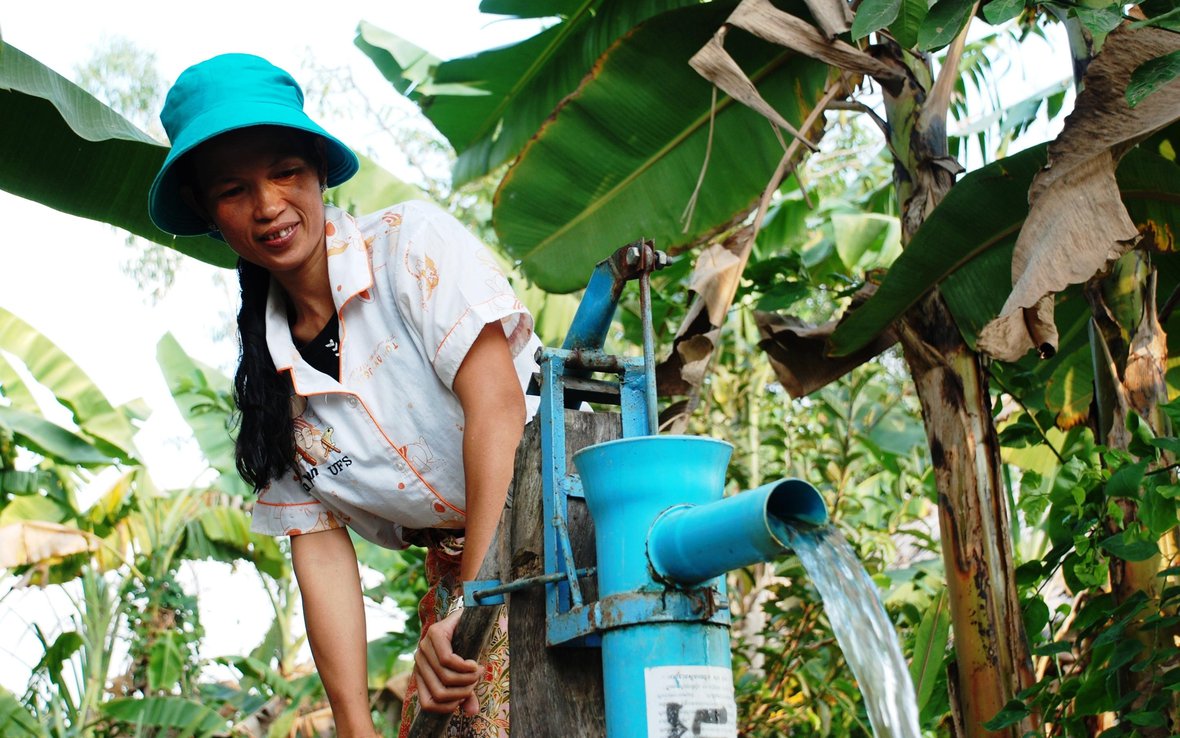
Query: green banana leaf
{"x": 866, "y": 241}
{"x": 223, "y": 534}
{"x": 63, "y": 148}
{"x": 984, "y": 211}
{"x": 14, "y": 389}
{"x": 620, "y": 157}
{"x": 489, "y": 104}
{"x": 108, "y": 427}
{"x": 371, "y": 189}
{"x": 177, "y": 714}
{"x": 966, "y": 243}
{"x": 17, "y": 721}
{"x": 202, "y": 395}
{"x": 531, "y": 8}
{"x": 930, "y": 642}
{"x": 407, "y": 67}
{"x": 165, "y": 662}
{"x": 1150, "y": 186}
{"x": 51, "y": 440}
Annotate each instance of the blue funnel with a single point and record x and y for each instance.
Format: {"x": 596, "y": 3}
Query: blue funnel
{"x": 629, "y": 482}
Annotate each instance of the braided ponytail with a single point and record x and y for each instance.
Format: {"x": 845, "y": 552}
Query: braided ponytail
{"x": 265, "y": 447}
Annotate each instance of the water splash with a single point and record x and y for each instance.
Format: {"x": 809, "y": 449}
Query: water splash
{"x": 862, "y": 628}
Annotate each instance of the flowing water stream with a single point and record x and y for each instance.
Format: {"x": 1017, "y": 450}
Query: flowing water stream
{"x": 862, "y": 628}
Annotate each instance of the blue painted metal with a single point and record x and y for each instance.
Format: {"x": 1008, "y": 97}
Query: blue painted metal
{"x": 483, "y": 592}
{"x": 563, "y": 592}
{"x": 689, "y": 544}
{"x": 666, "y": 535}
{"x": 555, "y": 480}
{"x": 633, "y": 400}
{"x": 628, "y": 483}
{"x": 601, "y": 296}
{"x": 596, "y": 309}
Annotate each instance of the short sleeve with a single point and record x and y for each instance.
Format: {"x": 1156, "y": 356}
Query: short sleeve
{"x": 284, "y": 508}
{"x": 449, "y": 286}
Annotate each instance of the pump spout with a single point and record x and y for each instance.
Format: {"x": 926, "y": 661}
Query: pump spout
{"x": 690, "y": 544}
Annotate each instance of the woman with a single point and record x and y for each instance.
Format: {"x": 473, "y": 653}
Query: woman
{"x": 381, "y": 375}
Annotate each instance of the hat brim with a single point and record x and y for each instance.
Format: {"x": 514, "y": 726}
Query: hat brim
{"x": 165, "y": 204}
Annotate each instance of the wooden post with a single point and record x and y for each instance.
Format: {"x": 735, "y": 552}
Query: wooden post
{"x": 554, "y": 691}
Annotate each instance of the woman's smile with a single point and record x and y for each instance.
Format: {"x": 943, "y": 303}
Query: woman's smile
{"x": 261, "y": 187}
{"x": 279, "y": 237}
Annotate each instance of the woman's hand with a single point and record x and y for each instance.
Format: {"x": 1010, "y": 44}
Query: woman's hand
{"x": 446, "y": 680}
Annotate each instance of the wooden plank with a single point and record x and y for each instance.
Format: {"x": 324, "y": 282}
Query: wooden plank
{"x": 555, "y": 691}
{"x": 476, "y": 624}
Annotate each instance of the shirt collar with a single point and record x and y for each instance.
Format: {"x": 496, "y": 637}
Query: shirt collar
{"x": 349, "y": 273}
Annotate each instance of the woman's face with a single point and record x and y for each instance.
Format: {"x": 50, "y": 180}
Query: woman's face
{"x": 261, "y": 189}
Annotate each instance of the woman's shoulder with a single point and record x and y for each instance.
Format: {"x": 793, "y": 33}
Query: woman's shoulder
{"x": 405, "y": 214}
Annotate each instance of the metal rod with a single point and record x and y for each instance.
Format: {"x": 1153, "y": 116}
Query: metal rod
{"x": 527, "y": 582}
{"x": 563, "y": 537}
{"x": 649, "y": 351}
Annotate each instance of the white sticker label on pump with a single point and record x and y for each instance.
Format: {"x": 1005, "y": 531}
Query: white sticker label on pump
{"x": 690, "y": 702}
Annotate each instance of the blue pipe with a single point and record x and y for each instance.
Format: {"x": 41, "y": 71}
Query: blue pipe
{"x": 689, "y": 544}
{"x": 596, "y": 309}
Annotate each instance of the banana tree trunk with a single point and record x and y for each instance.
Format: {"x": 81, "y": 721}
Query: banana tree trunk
{"x": 992, "y": 660}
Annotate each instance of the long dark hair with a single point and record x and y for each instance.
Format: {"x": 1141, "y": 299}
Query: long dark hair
{"x": 265, "y": 447}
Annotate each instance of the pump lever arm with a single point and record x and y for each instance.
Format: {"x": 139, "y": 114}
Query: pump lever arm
{"x": 597, "y": 308}
{"x": 474, "y": 628}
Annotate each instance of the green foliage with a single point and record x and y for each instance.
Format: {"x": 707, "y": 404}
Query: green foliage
{"x": 489, "y": 105}
{"x": 180, "y": 716}
{"x": 873, "y": 15}
{"x": 944, "y": 21}
{"x": 1151, "y": 76}
{"x": 203, "y": 396}
{"x": 581, "y": 189}
{"x": 53, "y": 132}
{"x": 909, "y": 22}
{"x": 965, "y": 245}
{"x": 1087, "y": 639}
{"x": 108, "y": 428}
{"x": 165, "y": 632}
{"x": 49, "y": 439}
{"x": 1000, "y": 11}
{"x": 930, "y": 644}
{"x": 17, "y": 721}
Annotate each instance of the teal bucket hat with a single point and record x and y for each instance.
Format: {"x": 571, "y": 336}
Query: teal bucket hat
{"x": 222, "y": 94}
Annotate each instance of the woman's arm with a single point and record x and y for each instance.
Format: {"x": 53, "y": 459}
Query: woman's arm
{"x": 333, "y": 608}
{"x": 493, "y": 421}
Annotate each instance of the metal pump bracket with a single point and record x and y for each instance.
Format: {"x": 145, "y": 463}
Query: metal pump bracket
{"x": 565, "y": 381}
